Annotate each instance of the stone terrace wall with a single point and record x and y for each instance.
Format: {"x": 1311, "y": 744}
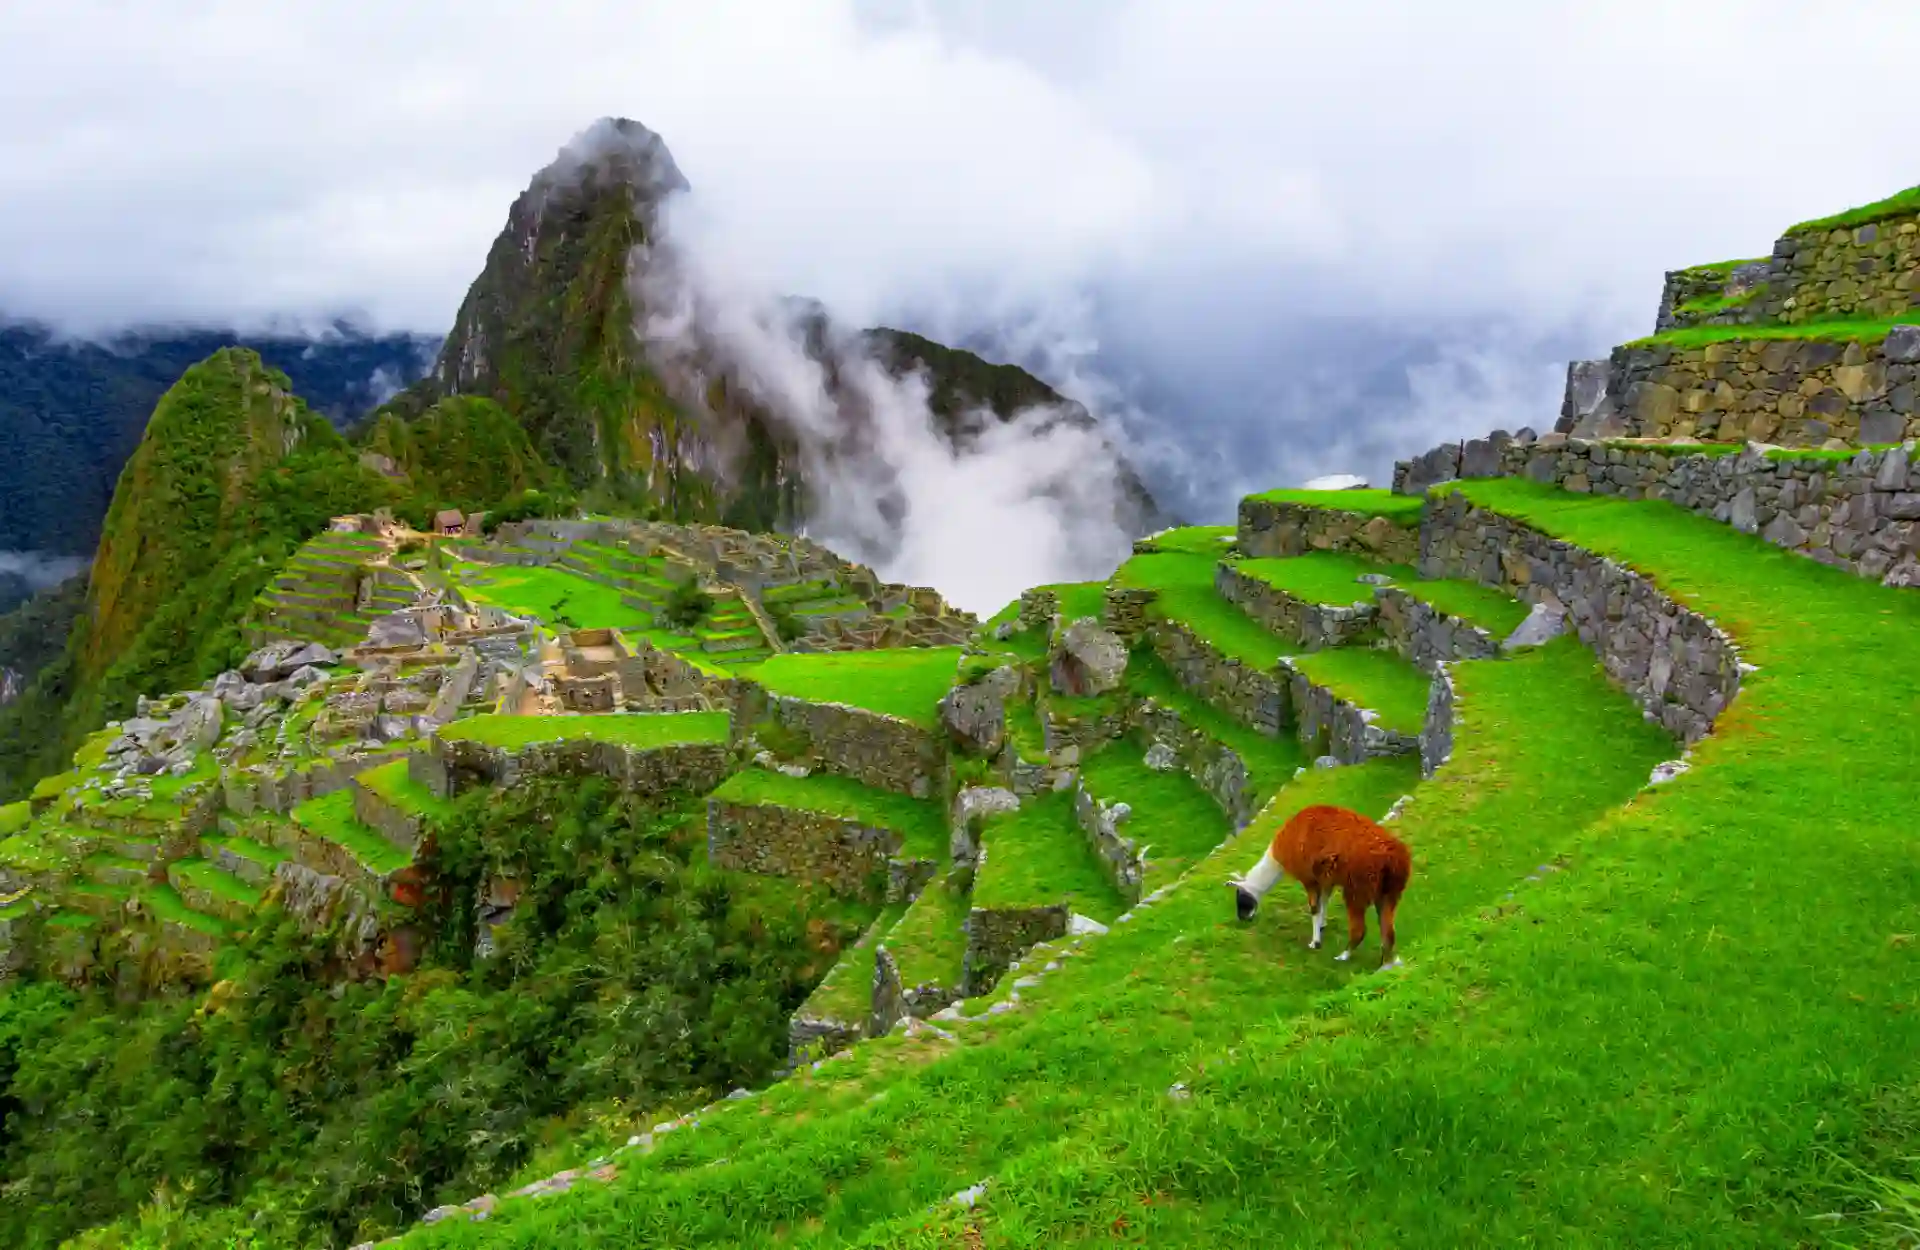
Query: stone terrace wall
{"x": 1284, "y": 529}
{"x": 1120, "y": 857}
{"x": 1790, "y": 392}
{"x": 1680, "y": 668}
{"x": 850, "y": 858}
{"x": 1330, "y": 724}
{"x": 1313, "y": 625}
{"x": 1428, "y": 637}
{"x": 1857, "y": 272}
{"x": 1861, "y": 514}
{"x": 995, "y": 938}
{"x": 1255, "y": 698}
{"x": 1218, "y": 769}
{"x": 892, "y": 1000}
{"x": 450, "y": 767}
{"x": 872, "y": 748}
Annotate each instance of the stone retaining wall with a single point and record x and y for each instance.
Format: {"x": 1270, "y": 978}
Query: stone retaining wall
{"x": 1038, "y": 608}
{"x": 1789, "y": 392}
{"x": 1314, "y": 626}
{"x": 875, "y": 749}
{"x": 828, "y": 1036}
{"x": 1254, "y": 697}
{"x": 1124, "y": 610}
{"x": 1428, "y": 637}
{"x": 1865, "y": 272}
{"x": 1119, "y": 856}
{"x": 1217, "y": 768}
{"x": 1330, "y": 725}
{"x": 206, "y": 901}
{"x": 995, "y": 938}
{"x": 892, "y": 1001}
{"x": 1436, "y": 736}
{"x": 451, "y": 766}
{"x": 1267, "y": 528}
{"x": 1861, "y": 514}
{"x": 1680, "y": 668}
{"x": 848, "y": 857}
{"x": 260, "y": 789}
{"x": 392, "y": 822}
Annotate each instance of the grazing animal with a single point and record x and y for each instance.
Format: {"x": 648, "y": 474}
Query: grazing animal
{"x": 1323, "y": 847}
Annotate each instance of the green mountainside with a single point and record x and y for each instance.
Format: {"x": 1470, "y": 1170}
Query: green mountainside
{"x": 464, "y": 453}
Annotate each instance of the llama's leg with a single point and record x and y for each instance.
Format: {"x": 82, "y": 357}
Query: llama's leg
{"x": 1356, "y": 924}
{"x": 1387, "y": 958}
{"x": 1248, "y": 891}
{"x": 1317, "y": 902}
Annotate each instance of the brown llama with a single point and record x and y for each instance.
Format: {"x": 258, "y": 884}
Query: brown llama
{"x": 1323, "y": 847}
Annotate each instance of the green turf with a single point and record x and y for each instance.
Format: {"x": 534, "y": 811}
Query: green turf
{"x": 846, "y": 994}
{"x": 166, "y": 904}
{"x": 1899, "y": 204}
{"x": 1080, "y": 599}
{"x": 1847, "y": 331}
{"x": 1186, "y": 595}
{"x": 554, "y": 595}
{"x": 391, "y": 781}
{"x": 1370, "y": 677}
{"x": 1037, "y": 857}
{"x": 14, "y": 817}
{"x": 1402, "y": 510}
{"x": 1024, "y": 731}
{"x": 1174, "y": 821}
{"x": 929, "y": 944}
{"x": 1324, "y": 577}
{"x": 904, "y": 682}
{"x": 1494, "y": 611}
{"x": 642, "y": 730}
{"x": 215, "y": 881}
{"x": 1270, "y": 762}
{"x": 1203, "y": 540}
{"x": 331, "y": 817}
{"x": 921, "y": 824}
{"x": 247, "y": 848}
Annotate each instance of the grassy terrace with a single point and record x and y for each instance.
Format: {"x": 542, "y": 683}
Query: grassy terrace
{"x": 922, "y": 826}
{"x": 1400, "y": 509}
{"x": 331, "y": 817}
{"x": 1371, "y": 677}
{"x": 846, "y": 994}
{"x": 246, "y": 848}
{"x": 904, "y": 682}
{"x": 929, "y": 943}
{"x": 1492, "y": 610}
{"x": 1899, "y": 204}
{"x": 1185, "y": 583}
{"x": 1850, "y": 331}
{"x": 210, "y": 878}
{"x": 1270, "y": 762}
{"x": 1037, "y": 856}
{"x": 1325, "y": 577}
{"x": 1176, "y": 822}
{"x": 643, "y": 729}
{"x": 555, "y": 596}
{"x": 1198, "y": 540}
{"x": 167, "y": 905}
{"x": 391, "y": 781}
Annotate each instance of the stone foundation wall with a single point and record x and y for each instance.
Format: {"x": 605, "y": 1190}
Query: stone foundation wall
{"x": 1866, "y": 272}
{"x": 1284, "y": 529}
{"x": 1436, "y": 735}
{"x": 1103, "y": 823}
{"x": 451, "y": 766}
{"x": 882, "y": 751}
{"x": 1861, "y": 514}
{"x": 1251, "y": 696}
{"x": 395, "y": 824}
{"x": 1038, "y": 608}
{"x": 893, "y": 1001}
{"x": 995, "y": 938}
{"x": 1217, "y": 769}
{"x": 1313, "y": 625}
{"x": 848, "y": 857}
{"x": 1680, "y": 668}
{"x": 317, "y": 899}
{"x": 1429, "y": 637}
{"x": 827, "y": 1037}
{"x": 1124, "y": 610}
{"x": 1332, "y": 726}
{"x": 260, "y": 789}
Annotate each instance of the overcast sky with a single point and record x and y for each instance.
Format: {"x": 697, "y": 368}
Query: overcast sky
{"x": 1279, "y": 238}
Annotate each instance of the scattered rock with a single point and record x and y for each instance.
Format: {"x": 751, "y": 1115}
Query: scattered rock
{"x": 1667, "y": 771}
{"x": 1327, "y": 761}
{"x": 1544, "y": 623}
{"x": 1161, "y": 758}
{"x": 1078, "y": 924}
{"x": 1087, "y": 660}
{"x": 1179, "y": 1092}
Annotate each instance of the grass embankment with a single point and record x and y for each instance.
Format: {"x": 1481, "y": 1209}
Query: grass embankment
{"x": 1038, "y": 857}
{"x": 1173, "y": 820}
{"x": 393, "y": 783}
{"x": 907, "y": 682}
{"x": 1046, "y": 1099}
{"x": 1198, "y": 540}
{"x": 1402, "y": 510}
{"x": 1369, "y": 677}
{"x": 846, "y": 993}
{"x": 921, "y": 824}
{"x": 1186, "y": 595}
{"x": 1324, "y": 577}
{"x": 330, "y": 817}
{"x": 1864, "y": 331}
{"x": 1898, "y": 204}
{"x": 634, "y": 729}
{"x": 556, "y": 596}
{"x": 929, "y": 945}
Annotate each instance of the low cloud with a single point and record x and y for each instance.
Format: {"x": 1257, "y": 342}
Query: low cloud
{"x": 37, "y": 569}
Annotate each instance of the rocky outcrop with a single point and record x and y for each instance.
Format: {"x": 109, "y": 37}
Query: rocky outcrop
{"x": 975, "y": 715}
{"x": 1087, "y": 660}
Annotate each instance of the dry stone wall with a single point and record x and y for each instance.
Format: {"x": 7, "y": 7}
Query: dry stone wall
{"x": 873, "y": 748}
{"x": 1330, "y": 725}
{"x": 1268, "y": 528}
{"x": 1863, "y": 272}
{"x": 893, "y": 1000}
{"x": 1314, "y": 626}
{"x": 1676, "y": 663}
{"x": 997, "y": 937}
{"x": 451, "y": 766}
{"x": 1255, "y": 698}
{"x": 1426, "y": 636}
{"x": 848, "y": 857}
{"x": 1217, "y": 768}
{"x": 1103, "y": 824}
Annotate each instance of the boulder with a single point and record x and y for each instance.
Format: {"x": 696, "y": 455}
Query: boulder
{"x": 197, "y": 725}
{"x": 1087, "y": 660}
{"x": 971, "y": 806}
{"x": 239, "y": 694}
{"x": 312, "y": 654}
{"x": 1544, "y": 623}
{"x": 1161, "y": 758}
{"x": 270, "y": 662}
{"x": 397, "y": 629}
{"x": 975, "y": 715}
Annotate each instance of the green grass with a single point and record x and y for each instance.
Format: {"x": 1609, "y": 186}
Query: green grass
{"x": 846, "y": 993}
{"x": 1708, "y": 306}
{"x": 906, "y": 682}
{"x": 331, "y": 817}
{"x": 921, "y": 824}
{"x": 1324, "y": 577}
{"x": 167, "y": 905}
{"x": 1370, "y": 677}
{"x": 246, "y": 848}
{"x": 1492, "y": 610}
{"x": 392, "y": 782}
{"x": 1270, "y": 762}
{"x": 1899, "y": 204}
{"x": 14, "y": 817}
{"x": 1198, "y": 540}
{"x": 1849, "y": 331}
{"x": 1176, "y": 822}
{"x": 1078, "y": 599}
{"x": 212, "y": 879}
{"x": 1402, "y": 510}
{"x": 1186, "y": 595}
{"x": 640, "y": 730}
{"x": 929, "y": 945}
{"x": 1722, "y": 269}
{"x": 1037, "y": 856}
{"x": 554, "y": 595}
{"x": 1024, "y": 731}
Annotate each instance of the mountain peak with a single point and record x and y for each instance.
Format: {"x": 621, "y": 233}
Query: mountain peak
{"x": 615, "y": 150}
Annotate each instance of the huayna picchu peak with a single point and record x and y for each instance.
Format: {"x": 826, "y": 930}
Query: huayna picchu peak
{"x": 522, "y": 821}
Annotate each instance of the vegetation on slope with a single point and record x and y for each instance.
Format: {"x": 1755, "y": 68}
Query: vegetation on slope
{"x": 908, "y": 682}
{"x": 464, "y": 452}
{"x": 633, "y": 978}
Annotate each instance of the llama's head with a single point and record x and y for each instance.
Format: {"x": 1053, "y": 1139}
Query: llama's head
{"x": 1245, "y": 901}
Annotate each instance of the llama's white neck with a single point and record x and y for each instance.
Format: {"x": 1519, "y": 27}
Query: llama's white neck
{"x": 1264, "y": 876}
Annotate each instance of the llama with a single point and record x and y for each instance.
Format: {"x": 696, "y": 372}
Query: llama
{"x": 1324, "y": 847}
